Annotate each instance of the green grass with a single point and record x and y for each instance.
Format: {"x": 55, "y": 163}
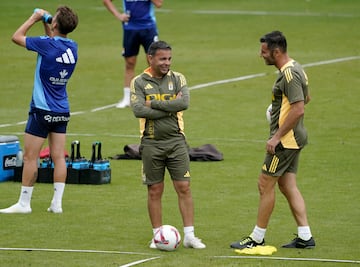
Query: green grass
{"x": 206, "y": 48}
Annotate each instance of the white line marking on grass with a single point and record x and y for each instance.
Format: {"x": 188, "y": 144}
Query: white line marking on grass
{"x": 77, "y": 113}
{"x": 288, "y": 259}
{"x": 270, "y": 13}
{"x": 241, "y": 78}
{"x": 6, "y": 125}
{"x": 250, "y": 13}
{"x": 104, "y": 107}
{"x": 139, "y": 262}
{"x": 331, "y": 61}
{"x": 199, "y": 86}
{"x": 76, "y": 250}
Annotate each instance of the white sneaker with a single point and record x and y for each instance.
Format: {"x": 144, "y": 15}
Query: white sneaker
{"x": 193, "y": 243}
{"x": 16, "y": 208}
{"x": 54, "y": 209}
{"x": 152, "y": 244}
{"x": 123, "y": 104}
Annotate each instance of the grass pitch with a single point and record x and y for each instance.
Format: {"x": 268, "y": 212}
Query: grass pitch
{"x": 212, "y": 41}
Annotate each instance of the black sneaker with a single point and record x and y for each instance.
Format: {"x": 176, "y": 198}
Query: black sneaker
{"x": 299, "y": 243}
{"x": 246, "y": 242}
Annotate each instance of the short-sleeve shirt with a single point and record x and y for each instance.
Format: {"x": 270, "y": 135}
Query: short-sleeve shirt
{"x": 290, "y": 87}
{"x": 142, "y": 14}
{"x": 55, "y": 64}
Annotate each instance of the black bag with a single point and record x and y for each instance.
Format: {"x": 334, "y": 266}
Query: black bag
{"x": 206, "y": 152}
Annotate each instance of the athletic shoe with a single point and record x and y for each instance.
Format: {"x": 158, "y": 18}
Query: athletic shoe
{"x": 300, "y": 243}
{"x": 123, "y": 104}
{"x": 54, "y": 209}
{"x": 152, "y": 244}
{"x": 246, "y": 242}
{"x": 16, "y": 208}
{"x": 193, "y": 242}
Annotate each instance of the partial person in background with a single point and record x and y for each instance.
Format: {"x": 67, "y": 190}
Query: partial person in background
{"x": 288, "y": 136}
{"x": 49, "y": 107}
{"x": 139, "y": 29}
{"x": 158, "y": 98}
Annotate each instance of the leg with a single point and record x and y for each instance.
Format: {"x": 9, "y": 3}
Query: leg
{"x": 186, "y": 206}
{"x": 130, "y": 63}
{"x": 32, "y": 146}
{"x": 57, "y": 150}
{"x": 155, "y": 192}
{"x": 266, "y": 186}
{"x": 288, "y": 186}
{"x": 185, "y": 201}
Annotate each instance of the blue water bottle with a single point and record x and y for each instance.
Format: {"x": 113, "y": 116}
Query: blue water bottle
{"x": 47, "y": 18}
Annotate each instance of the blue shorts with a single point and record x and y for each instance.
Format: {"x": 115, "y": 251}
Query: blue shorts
{"x": 41, "y": 122}
{"x": 133, "y": 39}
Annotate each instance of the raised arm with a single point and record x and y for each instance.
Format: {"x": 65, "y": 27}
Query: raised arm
{"x": 19, "y": 36}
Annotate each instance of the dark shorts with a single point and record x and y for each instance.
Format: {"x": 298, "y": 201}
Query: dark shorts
{"x": 284, "y": 160}
{"x": 41, "y": 123}
{"x": 133, "y": 39}
{"x": 156, "y": 158}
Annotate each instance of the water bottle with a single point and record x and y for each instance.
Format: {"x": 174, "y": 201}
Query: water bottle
{"x": 127, "y": 13}
{"x": 47, "y": 18}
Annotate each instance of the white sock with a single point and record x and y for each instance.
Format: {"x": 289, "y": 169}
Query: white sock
{"x": 304, "y": 232}
{"x": 25, "y": 195}
{"x": 155, "y": 230}
{"x": 258, "y": 234}
{"x": 189, "y": 232}
{"x": 58, "y": 194}
{"x": 127, "y": 94}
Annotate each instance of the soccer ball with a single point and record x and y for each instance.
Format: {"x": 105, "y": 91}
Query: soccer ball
{"x": 268, "y": 113}
{"x": 167, "y": 238}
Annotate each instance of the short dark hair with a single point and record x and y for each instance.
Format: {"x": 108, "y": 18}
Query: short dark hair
{"x": 156, "y": 46}
{"x": 66, "y": 19}
{"x": 275, "y": 39}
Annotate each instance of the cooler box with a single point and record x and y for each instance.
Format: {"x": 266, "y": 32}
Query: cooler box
{"x": 9, "y": 147}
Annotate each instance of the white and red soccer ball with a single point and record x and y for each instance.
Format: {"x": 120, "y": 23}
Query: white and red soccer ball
{"x": 167, "y": 238}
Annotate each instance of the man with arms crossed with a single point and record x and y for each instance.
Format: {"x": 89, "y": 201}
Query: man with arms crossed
{"x": 158, "y": 98}
{"x": 287, "y": 137}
